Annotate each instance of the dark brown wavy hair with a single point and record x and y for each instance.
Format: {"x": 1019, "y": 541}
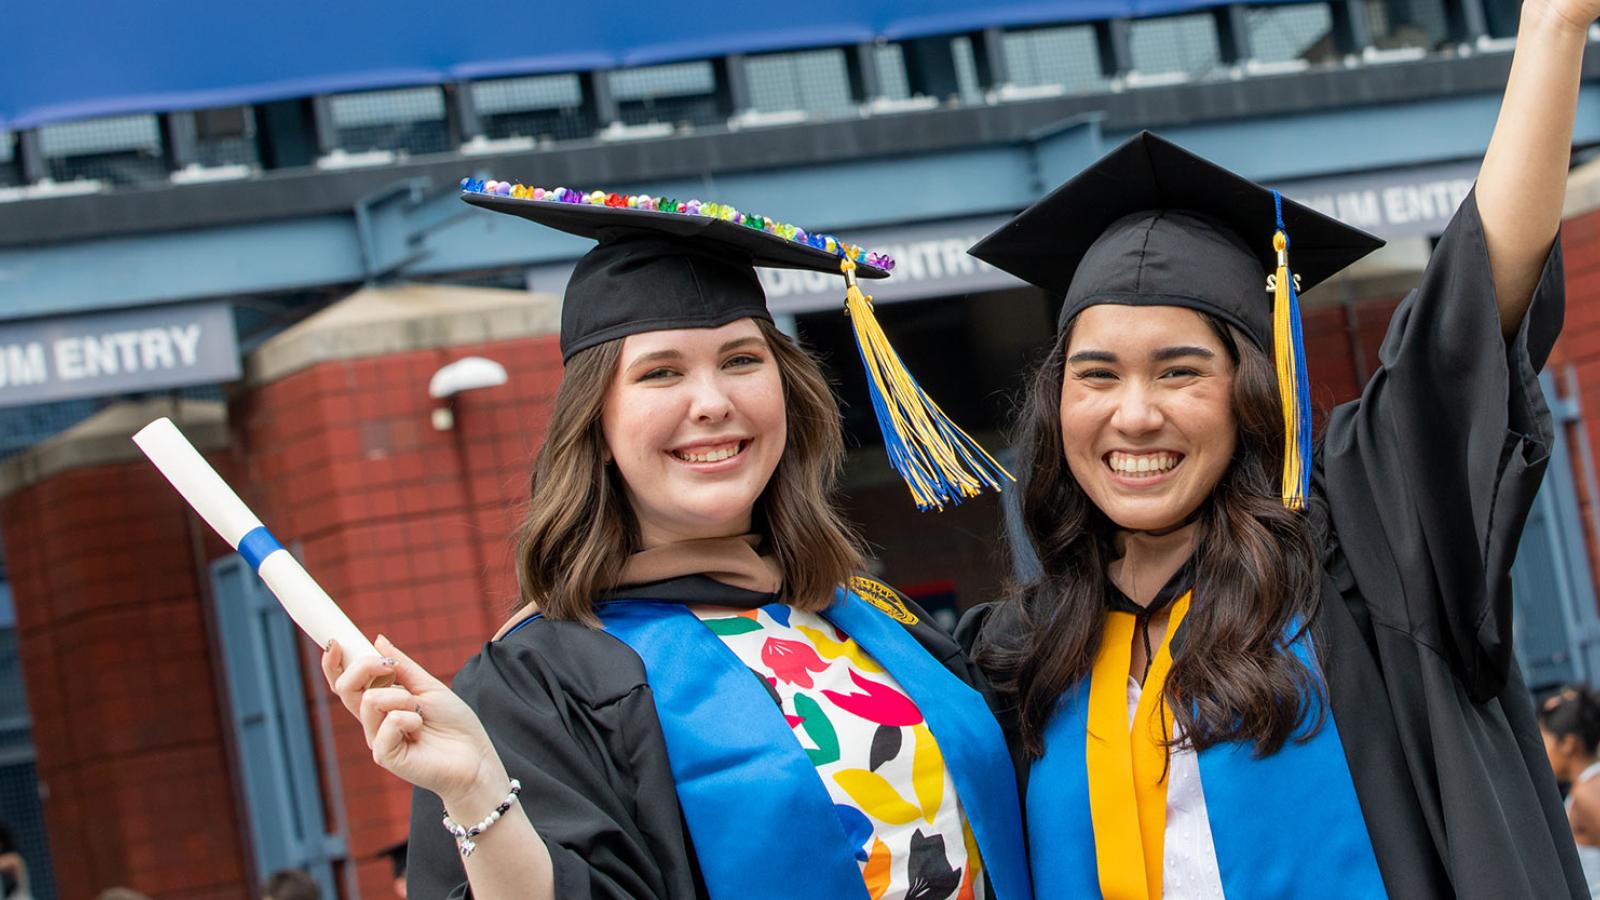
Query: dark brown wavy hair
{"x": 1235, "y": 678}
{"x": 579, "y": 529}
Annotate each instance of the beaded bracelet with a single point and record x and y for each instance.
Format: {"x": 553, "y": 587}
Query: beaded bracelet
{"x": 464, "y": 836}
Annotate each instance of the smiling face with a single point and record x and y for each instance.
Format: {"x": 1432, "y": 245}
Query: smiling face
{"x": 1147, "y": 417}
{"x": 694, "y": 422}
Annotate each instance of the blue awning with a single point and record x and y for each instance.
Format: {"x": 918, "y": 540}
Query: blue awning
{"x": 74, "y": 59}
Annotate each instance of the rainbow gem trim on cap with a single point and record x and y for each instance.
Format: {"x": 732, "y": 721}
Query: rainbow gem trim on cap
{"x": 825, "y": 242}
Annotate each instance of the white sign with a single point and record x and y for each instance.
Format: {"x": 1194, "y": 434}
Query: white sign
{"x": 117, "y": 353}
{"x": 1400, "y": 203}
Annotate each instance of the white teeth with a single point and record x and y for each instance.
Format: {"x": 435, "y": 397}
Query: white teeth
{"x": 1142, "y": 463}
{"x": 709, "y": 456}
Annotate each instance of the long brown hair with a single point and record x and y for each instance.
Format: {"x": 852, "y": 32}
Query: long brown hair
{"x": 579, "y": 529}
{"x": 1235, "y": 678}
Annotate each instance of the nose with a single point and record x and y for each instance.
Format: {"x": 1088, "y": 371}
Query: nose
{"x": 1137, "y": 411}
{"x": 709, "y": 401}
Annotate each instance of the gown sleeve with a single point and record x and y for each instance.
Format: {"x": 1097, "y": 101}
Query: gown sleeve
{"x": 588, "y": 750}
{"x": 1430, "y": 475}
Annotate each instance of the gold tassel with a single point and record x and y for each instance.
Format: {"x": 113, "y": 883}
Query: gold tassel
{"x": 1288, "y": 356}
{"x": 940, "y": 463}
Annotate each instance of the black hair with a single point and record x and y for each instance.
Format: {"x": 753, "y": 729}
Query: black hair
{"x": 1574, "y": 710}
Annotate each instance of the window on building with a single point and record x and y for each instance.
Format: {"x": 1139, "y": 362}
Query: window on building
{"x": 1502, "y": 17}
{"x": 408, "y": 120}
{"x": 544, "y": 107}
{"x": 1067, "y": 56}
{"x": 969, "y": 84}
{"x": 1176, "y": 45}
{"x": 1290, "y": 32}
{"x": 226, "y": 136}
{"x": 1408, "y": 23}
{"x": 893, "y": 83}
{"x": 676, "y": 94}
{"x": 23, "y": 426}
{"x": 20, "y": 806}
{"x": 118, "y": 149}
{"x": 10, "y": 170}
{"x": 816, "y": 82}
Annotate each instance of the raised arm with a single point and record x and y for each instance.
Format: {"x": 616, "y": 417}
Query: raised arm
{"x": 1523, "y": 180}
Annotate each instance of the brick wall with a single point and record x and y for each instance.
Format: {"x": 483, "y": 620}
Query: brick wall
{"x": 1579, "y": 345}
{"x": 120, "y": 682}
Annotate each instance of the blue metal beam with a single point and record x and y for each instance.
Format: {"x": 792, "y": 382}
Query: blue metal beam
{"x": 421, "y": 232}
{"x": 1347, "y": 140}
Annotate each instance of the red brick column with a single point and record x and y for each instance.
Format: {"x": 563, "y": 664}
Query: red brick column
{"x": 1579, "y": 345}
{"x": 407, "y": 527}
{"x": 119, "y": 671}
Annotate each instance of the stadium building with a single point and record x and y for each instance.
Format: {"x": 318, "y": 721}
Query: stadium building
{"x": 246, "y": 217}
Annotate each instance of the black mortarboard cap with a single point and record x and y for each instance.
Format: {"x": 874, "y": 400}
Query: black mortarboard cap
{"x": 664, "y": 264}
{"x": 654, "y": 270}
{"x": 1151, "y": 224}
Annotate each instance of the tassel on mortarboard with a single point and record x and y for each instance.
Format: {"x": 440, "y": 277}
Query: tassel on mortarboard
{"x": 941, "y": 464}
{"x": 1294, "y": 387}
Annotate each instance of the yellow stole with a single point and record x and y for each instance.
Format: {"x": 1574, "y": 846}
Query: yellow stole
{"x": 1127, "y": 762}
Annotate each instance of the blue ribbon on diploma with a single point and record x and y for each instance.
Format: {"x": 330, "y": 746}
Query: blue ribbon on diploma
{"x": 257, "y": 545}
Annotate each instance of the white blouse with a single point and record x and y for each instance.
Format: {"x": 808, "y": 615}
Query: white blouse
{"x": 1189, "y": 858}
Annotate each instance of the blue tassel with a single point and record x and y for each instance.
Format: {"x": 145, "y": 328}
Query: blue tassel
{"x": 1294, "y": 384}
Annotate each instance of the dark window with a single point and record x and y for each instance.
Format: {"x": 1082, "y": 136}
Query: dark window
{"x": 542, "y": 107}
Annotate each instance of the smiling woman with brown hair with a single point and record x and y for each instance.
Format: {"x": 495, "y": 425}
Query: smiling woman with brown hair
{"x": 1251, "y": 666}
{"x": 701, "y": 695}
{"x": 567, "y": 544}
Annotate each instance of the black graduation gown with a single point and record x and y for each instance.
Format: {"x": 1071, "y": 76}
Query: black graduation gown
{"x": 1421, "y": 488}
{"x": 572, "y": 716}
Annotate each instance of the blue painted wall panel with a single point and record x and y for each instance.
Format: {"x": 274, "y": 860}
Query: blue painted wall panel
{"x": 93, "y": 275}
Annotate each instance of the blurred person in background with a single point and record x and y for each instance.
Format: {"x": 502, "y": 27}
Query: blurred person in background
{"x": 13, "y": 868}
{"x": 290, "y": 884}
{"x": 1569, "y": 722}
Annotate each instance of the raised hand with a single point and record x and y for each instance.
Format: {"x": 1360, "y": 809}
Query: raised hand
{"x": 1524, "y": 176}
{"x": 416, "y": 728}
{"x": 1580, "y": 13}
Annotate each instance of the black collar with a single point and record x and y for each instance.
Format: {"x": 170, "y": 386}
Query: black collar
{"x": 1181, "y": 581}
{"x": 1116, "y": 601}
{"x": 692, "y": 589}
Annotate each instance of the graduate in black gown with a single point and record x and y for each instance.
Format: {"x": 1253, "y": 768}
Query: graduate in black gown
{"x": 701, "y": 697}
{"x": 1252, "y": 668}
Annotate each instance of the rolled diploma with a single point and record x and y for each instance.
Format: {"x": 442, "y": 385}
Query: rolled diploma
{"x": 306, "y": 602}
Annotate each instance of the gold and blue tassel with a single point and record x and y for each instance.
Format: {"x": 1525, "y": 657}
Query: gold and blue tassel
{"x": 941, "y": 464}
{"x": 1294, "y": 386}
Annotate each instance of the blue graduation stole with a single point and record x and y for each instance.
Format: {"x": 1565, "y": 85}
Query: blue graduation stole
{"x": 1288, "y": 825}
{"x": 762, "y": 822}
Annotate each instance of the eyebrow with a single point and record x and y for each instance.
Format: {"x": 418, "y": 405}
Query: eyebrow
{"x": 1165, "y": 354}
{"x": 661, "y": 355}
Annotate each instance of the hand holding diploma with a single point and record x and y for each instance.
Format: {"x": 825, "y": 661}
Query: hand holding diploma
{"x": 418, "y": 729}
{"x": 415, "y": 726}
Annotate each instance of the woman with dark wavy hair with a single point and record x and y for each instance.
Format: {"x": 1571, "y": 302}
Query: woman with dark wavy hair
{"x": 1250, "y": 667}
{"x": 700, "y": 696}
